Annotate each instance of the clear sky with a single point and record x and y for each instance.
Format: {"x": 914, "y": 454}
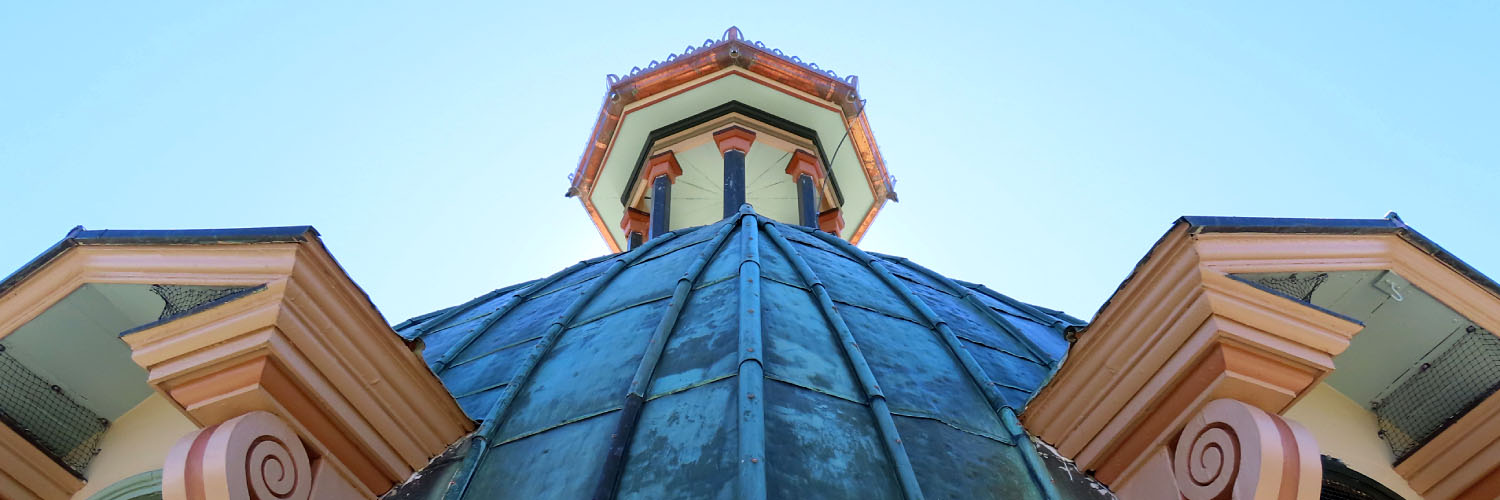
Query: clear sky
{"x": 1038, "y": 148}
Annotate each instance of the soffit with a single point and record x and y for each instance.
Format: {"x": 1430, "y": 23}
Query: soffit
{"x": 730, "y": 84}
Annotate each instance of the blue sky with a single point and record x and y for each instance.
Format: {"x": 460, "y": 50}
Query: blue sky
{"x": 1039, "y": 149}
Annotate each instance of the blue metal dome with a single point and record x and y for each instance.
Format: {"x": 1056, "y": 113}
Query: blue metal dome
{"x": 744, "y": 359}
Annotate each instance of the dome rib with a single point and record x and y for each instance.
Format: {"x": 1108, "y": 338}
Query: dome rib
{"x": 497, "y": 413}
{"x": 751, "y": 366}
{"x": 905, "y": 474}
{"x": 520, "y": 296}
{"x": 968, "y": 295}
{"x": 635, "y": 397}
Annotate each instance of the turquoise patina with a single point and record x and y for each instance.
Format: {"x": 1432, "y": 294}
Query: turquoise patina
{"x": 744, "y": 359}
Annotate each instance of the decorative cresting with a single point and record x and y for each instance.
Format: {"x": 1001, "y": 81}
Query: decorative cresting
{"x": 255, "y": 456}
{"x": 1234, "y": 450}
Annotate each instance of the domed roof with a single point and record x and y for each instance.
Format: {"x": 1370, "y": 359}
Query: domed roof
{"x": 741, "y": 357}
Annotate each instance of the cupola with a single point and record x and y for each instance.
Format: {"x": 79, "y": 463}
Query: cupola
{"x": 684, "y": 142}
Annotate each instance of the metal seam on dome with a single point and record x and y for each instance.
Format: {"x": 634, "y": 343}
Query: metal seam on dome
{"x": 955, "y": 347}
{"x": 497, "y": 413}
{"x": 752, "y": 373}
{"x": 878, "y": 407}
{"x": 1034, "y": 466}
{"x": 1029, "y": 309}
{"x": 520, "y": 296}
{"x": 968, "y": 296}
{"x": 614, "y": 460}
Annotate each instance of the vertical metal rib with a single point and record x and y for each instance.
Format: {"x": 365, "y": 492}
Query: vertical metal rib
{"x": 994, "y": 317}
{"x": 498, "y": 412}
{"x": 1034, "y": 465}
{"x": 976, "y": 374}
{"x": 873, "y": 394}
{"x": 752, "y": 414}
{"x": 635, "y": 397}
{"x": 520, "y": 296}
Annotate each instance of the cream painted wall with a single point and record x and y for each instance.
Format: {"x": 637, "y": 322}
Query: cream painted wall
{"x": 1346, "y": 431}
{"x": 136, "y": 442}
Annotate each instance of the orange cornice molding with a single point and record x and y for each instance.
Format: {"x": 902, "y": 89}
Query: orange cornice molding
{"x": 804, "y": 163}
{"x": 664, "y": 163}
{"x": 309, "y": 348}
{"x": 734, "y": 138}
{"x": 1181, "y": 332}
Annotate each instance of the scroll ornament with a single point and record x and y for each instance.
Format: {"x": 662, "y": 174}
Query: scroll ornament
{"x": 1232, "y": 450}
{"x": 254, "y": 456}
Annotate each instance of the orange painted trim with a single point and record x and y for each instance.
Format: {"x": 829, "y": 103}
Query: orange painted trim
{"x": 662, "y": 164}
{"x": 805, "y": 163}
{"x": 831, "y": 221}
{"x": 27, "y": 473}
{"x": 734, "y": 138}
{"x": 636, "y": 221}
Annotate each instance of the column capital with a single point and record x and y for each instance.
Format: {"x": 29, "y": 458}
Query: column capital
{"x": 803, "y": 162}
{"x": 635, "y": 221}
{"x": 735, "y": 138}
{"x": 831, "y": 221}
{"x": 664, "y": 163}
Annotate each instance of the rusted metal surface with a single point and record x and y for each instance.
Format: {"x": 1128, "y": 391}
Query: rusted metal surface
{"x": 746, "y": 359}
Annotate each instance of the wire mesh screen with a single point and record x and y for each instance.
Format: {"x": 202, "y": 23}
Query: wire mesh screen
{"x": 1299, "y": 285}
{"x": 1440, "y": 392}
{"x": 183, "y": 298}
{"x": 39, "y": 411}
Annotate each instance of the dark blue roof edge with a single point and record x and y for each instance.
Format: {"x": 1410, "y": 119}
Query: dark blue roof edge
{"x": 80, "y": 236}
{"x": 1390, "y": 224}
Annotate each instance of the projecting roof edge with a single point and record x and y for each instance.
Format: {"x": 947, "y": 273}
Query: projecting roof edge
{"x": 1390, "y": 224}
{"x": 80, "y": 236}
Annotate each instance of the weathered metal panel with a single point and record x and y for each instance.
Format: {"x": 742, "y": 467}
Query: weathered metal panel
{"x": 970, "y": 323}
{"x": 851, "y": 282}
{"x": 918, "y": 374}
{"x": 1016, "y": 378}
{"x": 684, "y": 446}
{"x": 588, "y": 371}
{"x": 819, "y": 446}
{"x": 560, "y": 463}
{"x": 643, "y": 282}
{"x": 960, "y": 465}
{"x": 527, "y": 320}
{"x": 800, "y": 348}
{"x": 486, "y": 371}
{"x": 774, "y": 265}
{"x": 702, "y": 346}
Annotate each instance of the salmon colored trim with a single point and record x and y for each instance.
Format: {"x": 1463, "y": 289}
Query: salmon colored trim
{"x": 734, "y": 138}
{"x": 831, "y": 221}
{"x": 1178, "y": 335}
{"x": 255, "y": 455}
{"x": 1146, "y": 351}
{"x": 308, "y": 348}
{"x": 805, "y": 163}
{"x": 1231, "y": 450}
{"x": 636, "y": 221}
{"x": 662, "y": 164}
{"x": 28, "y": 473}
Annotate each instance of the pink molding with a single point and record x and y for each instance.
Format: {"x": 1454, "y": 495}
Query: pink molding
{"x": 255, "y": 456}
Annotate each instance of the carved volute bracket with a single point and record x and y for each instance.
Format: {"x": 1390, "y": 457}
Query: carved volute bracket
{"x": 1235, "y": 450}
{"x": 255, "y": 456}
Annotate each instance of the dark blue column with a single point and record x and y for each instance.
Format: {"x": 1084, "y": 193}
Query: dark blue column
{"x": 734, "y": 181}
{"x": 661, "y": 204}
{"x": 807, "y": 201}
{"x": 636, "y": 238}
